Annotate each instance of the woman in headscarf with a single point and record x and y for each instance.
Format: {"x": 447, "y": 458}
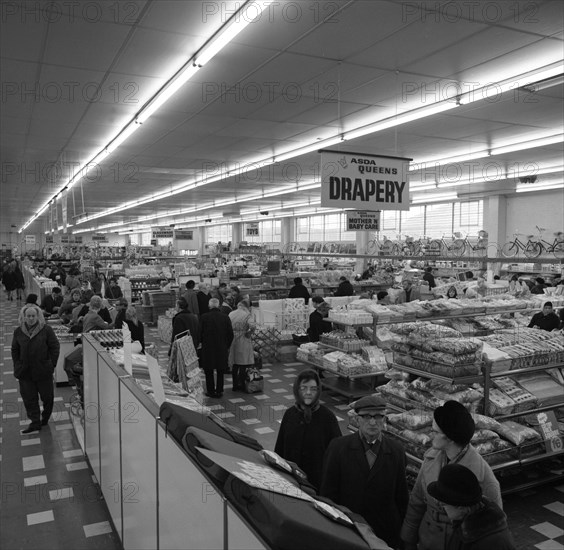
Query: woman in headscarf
{"x": 35, "y": 351}
{"x": 241, "y": 353}
{"x": 307, "y": 427}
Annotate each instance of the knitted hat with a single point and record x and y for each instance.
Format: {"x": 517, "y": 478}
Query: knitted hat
{"x": 455, "y": 421}
{"x": 457, "y": 486}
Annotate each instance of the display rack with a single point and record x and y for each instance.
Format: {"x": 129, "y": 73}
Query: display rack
{"x": 266, "y": 340}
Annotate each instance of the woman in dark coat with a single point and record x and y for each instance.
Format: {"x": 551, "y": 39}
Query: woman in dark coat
{"x": 216, "y": 335}
{"x": 35, "y": 351}
{"x": 10, "y": 279}
{"x": 185, "y": 320}
{"x": 307, "y": 428}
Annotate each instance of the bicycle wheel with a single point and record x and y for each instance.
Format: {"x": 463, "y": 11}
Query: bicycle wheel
{"x": 458, "y": 247}
{"x": 533, "y": 249}
{"x": 510, "y": 250}
{"x": 558, "y": 250}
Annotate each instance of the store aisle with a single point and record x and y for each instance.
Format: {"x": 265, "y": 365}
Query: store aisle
{"x": 49, "y": 497}
{"x": 50, "y": 500}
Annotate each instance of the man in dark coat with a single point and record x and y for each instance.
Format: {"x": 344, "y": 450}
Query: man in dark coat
{"x": 365, "y": 472}
{"x": 203, "y": 297}
{"x": 317, "y": 323}
{"x": 216, "y": 335}
{"x": 479, "y": 524}
{"x": 345, "y": 288}
{"x": 191, "y": 298}
{"x": 35, "y": 352}
{"x": 52, "y": 302}
{"x": 299, "y": 290}
{"x": 545, "y": 319}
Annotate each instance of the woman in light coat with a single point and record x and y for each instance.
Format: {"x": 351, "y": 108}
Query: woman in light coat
{"x": 241, "y": 353}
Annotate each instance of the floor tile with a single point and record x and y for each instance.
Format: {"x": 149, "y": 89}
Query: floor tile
{"x": 63, "y": 427}
{"x": 236, "y": 400}
{"x": 549, "y": 545}
{"x": 73, "y": 466}
{"x": 265, "y": 430}
{"x": 11, "y": 390}
{"x": 274, "y": 380}
{"x": 35, "y": 480}
{"x": 33, "y": 463}
{"x": 62, "y": 493}
{"x": 556, "y": 507}
{"x": 72, "y": 453}
{"x": 548, "y": 530}
{"x": 280, "y": 390}
{"x": 279, "y": 407}
{"x": 215, "y": 407}
{"x": 28, "y": 442}
{"x": 261, "y": 396}
{"x": 248, "y": 407}
{"x": 60, "y": 416}
{"x": 40, "y": 517}
{"x": 95, "y": 529}
{"x": 250, "y": 421}
{"x": 225, "y": 415}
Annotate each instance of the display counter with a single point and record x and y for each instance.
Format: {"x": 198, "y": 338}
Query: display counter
{"x": 157, "y": 496}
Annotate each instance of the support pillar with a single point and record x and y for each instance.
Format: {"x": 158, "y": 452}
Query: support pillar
{"x": 236, "y": 235}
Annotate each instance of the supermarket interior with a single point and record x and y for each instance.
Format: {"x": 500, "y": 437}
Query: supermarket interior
{"x": 249, "y": 243}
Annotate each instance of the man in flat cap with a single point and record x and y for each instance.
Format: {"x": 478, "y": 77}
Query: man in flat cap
{"x": 365, "y": 472}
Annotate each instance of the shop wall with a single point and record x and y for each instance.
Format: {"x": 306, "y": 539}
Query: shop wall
{"x": 544, "y": 208}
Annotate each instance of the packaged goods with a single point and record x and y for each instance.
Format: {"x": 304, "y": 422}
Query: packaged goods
{"x": 518, "y": 433}
{"x": 483, "y": 435}
{"x": 412, "y": 420}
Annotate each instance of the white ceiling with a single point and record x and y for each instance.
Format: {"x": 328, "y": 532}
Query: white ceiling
{"x": 305, "y": 71}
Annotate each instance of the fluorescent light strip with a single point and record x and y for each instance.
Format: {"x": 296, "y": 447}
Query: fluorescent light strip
{"x": 306, "y": 187}
{"x": 484, "y": 153}
{"x": 532, "y": 187}
{"x": 215, "y": 44}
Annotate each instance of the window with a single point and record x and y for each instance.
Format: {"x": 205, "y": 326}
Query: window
{"x": 438, "y": 220}
{"x": 215, "y": 233}
{"x": 469, "y": 217}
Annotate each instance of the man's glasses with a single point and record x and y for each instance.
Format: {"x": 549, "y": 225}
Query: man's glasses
{"x": 371, "y": 417}
{"x": 309, "y": 389}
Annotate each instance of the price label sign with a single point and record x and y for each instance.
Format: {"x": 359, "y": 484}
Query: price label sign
{"x": 548, "y": 428}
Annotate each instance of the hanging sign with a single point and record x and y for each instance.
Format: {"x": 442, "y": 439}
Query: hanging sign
{"x": 78, "y": 239}
{"x": 29, "y": 239}
{"x": 64, "y": 209}
{"x": 99, "y": 238}
{"x": 252, "y": 229}
{"x": 49, "y": 239}
{"x": 360, "y": 220}
{"x": 184, "y": 234}
{"x": 369, "y": 182}
{"x": 162, "y": 233}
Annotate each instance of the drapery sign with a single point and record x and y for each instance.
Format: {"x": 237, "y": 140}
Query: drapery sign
{"x": 252, "y": 229}
{"x": 360, "y": 220}
{"x": 368, "y": 182}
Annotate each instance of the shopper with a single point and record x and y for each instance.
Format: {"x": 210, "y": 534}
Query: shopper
{"x": 478, "y": 524}
{"x": 216, "y": 335}
{"x": 227, "y": 305}
{"x": 32, "y": 299}
{"x": 20, "y": 281}
{"x": 429, "y": 278}
{"x": 52, "y": 302}
{"x": 545, "y": 319}
{"x": 121, "y": 307}
{"x": 203, "y": 297}
{"x": 241, "y": 352}
{"x": 409, "y": 293}
{"x": 307, "y": 427}
{"x": 365, "y": 472}
{"x": 113, "y": 291}
{"x": 72, "y": 281}
{"x": 35, "y": 352}
{"x": 345, "y": 288}
{"x": 70, "y": 301}
{"x": 426, "y": 525}
{"x": 317, "y": 323}
{"x": 87, "y": 292}
{"x": 93, "y": 320}
{"x": 190, "y": 297}
{"x": 185, "y": 320}
{"x": 99, "y": 285}
{"x": 383, "y": 298}
{"x": 10, "y": 279}
{"x": 299, "y": 290}
{"x": 539, "y": 286}
{"x": 135, "y": 327}
{"x": 452, "y": 293}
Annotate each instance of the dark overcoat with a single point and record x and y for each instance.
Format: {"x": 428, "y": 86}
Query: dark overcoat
{"x": 216, "y": 335}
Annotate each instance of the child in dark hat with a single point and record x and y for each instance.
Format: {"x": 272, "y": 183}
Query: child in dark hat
{"x": 426, "y": 525}
{"x": 478, "y": 524}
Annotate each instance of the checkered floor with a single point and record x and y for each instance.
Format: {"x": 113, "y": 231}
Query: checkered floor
{"x": 50, "y": 498}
